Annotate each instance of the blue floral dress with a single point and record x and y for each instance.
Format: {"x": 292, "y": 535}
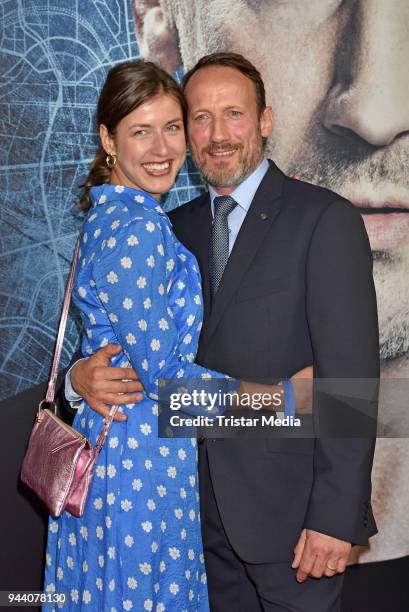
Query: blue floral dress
{"x": 138, "y": 545}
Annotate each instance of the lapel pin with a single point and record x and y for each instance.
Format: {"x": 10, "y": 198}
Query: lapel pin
{"x": 263, "y": 216}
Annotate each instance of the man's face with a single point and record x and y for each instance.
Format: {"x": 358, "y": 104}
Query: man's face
{"x": 224, "y": 128}
{"x": 336, "y": 77}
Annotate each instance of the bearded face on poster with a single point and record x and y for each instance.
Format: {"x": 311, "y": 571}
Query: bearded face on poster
{"x": 336, "y": 77}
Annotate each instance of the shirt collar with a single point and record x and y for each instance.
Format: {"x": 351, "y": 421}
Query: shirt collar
{"x": 245, "y": 192}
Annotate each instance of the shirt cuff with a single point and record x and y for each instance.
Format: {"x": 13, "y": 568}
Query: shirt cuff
{"x": 70, "y": 395}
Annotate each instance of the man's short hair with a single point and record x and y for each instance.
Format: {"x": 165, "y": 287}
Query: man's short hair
{"x": 237, "y": 62}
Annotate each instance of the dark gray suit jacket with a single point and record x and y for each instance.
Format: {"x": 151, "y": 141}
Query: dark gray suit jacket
{"x": 297, "y": 290}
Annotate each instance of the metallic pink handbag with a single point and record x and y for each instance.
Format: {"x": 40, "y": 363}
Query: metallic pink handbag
{"x": 59, "y": 461}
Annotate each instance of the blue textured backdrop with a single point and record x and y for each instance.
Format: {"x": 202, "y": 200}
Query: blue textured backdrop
{"x": 54, "y": 58}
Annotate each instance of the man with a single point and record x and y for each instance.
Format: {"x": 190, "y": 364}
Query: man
{"x": 297, "y": 289}
{"x": 335, "y": 73}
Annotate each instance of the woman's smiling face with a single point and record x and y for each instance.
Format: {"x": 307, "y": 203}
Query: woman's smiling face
{"x": 149, "y": 144}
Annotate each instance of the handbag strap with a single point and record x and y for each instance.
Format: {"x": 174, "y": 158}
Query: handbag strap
{"x": 61, "y": 329}
{"x": 106, "y": 427}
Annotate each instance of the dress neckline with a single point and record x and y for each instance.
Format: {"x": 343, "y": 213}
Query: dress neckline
{"x": 107, "y": 192}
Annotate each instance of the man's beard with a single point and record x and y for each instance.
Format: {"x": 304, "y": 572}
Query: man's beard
{"x": 220, "y": 175}
{"x": 343, "y": 169}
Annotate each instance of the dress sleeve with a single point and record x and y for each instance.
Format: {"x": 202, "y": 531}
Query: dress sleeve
{"x": 131, "y": 278}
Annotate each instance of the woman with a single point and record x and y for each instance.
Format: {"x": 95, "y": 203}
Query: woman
{"x": 138, "y": 545}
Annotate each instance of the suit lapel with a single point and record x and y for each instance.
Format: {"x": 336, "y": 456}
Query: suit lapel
{"x": 263, "y": 210}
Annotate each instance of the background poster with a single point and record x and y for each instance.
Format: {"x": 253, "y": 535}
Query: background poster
{"x": 337, "y": 79}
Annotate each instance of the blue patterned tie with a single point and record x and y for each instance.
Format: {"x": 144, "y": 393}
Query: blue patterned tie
{"x": 219, "y": 252}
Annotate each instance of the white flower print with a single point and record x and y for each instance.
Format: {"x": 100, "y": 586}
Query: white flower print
{"x": 150, "y": 504}
{"x": 70, "y": 562}
{"x": 113, "y": 442}
{"x": 164, "y": 451}
{"x": 137, "y": 484}
{"x": 99, "y": 532}
{"x": 127, "y": 605}
{"x": 110, "y": 499}
{"x": 183, "y": 534}
{"x": 174, "y": 588}
{"x": 178, "y": 513}
{"x": 92, "y": 319}
{"x": 111, "y": 585}
{"x": 100, "y": 471}
{"x": 60, "y": 573}
{"x": 144, "y": 365}
{"x": 126, "y": 505}
{"x": 160, "y": 249}
{"x": 98, "y": 503}
{"x": 142, "y": 324}
{"x": 74, "y": 593}
{"x": 103, "y": 297}
{"x": 148, "y": 464}
{"x": 190, "y": 320}
{"x": 127, "y": 303}
{"x": 147, "y": 303}
{"x": 163, "y": 324}
{"x": 115, "y": 224}
{"x": 132, "y": 240}
{"x": 162, "y": 566}
{"x": 172, "y": 471}
{"x": 98, "y": 583}
{"x": 182, "y": 491}
{"x": 126, "y": 262}
{"x": 84, "y": 567}
{"x": 187, "y": 339}
{"x": 130, "y": 339}
{"x": 131, "y": 582}
{"x": 111, "y": 471}
{"x": 129, "y": 541}
{"x": 182, "y": 454}
{"x": 111, "y": 242}
{"x": 53, "y": 527}
{"x": 161, "y": 289}
{"x": 155, "y": 344}
{"x": 111, "y": 552}
{"x": 150, "y": 261}
{"x": 140, "y": 199}
{"x": 110, "y": 209}
{"x": 97, "y": 233}
{"x": 192, "y": 515}
{"x": 174, "y": 552}
{"x": 82, "y": 292}
{"x": 170, "y": 264}
{"x": 112, "y": 277}
{"x": 180, "y": 302}
{"x": 147, "y": 526}
{"x": 150, "y": 226}
{"x": 191, "y": 554}
{"x": 101, "y": 561}
{"x": 72, "y": 539}
{"x": 148, "y": 605}
{"x": 145, "y": 568}
{"x": 127, "y": 464}
{"x": 141, "y": 282}
{"x": 119, "y": 188}
{"x": 146, "y": 429}
{"x": 161, "y": 490}
{"x": 133, "y": 443}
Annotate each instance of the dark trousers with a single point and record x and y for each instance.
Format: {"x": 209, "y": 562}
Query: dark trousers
{"x": 247, "y": 587}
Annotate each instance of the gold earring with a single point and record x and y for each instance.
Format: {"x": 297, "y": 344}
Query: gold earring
{"x": 111, "y": 160}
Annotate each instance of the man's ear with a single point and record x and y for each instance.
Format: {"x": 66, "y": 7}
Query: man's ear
{"x": 156, "y": 35}
{"x": 267, "y": 122}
